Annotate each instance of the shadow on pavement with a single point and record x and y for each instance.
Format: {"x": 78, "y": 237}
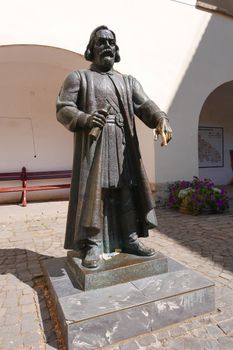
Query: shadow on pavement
{"x": 209, "y": 236}
{"x": 26, "y": 266}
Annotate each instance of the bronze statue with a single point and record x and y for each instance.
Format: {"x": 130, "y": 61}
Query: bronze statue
{"x": 111, "y": 204}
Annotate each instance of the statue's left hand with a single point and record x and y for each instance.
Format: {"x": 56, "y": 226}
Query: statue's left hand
{"x": 164, "y": 130}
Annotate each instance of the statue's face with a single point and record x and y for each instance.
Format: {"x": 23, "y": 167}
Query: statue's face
{"x": 104, "y": 49}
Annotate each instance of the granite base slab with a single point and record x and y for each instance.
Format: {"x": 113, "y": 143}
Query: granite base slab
{"x": 120, "y": 268}
{"x": 96, "y": 318}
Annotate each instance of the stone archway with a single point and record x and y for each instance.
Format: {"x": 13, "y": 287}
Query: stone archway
{"x": 216, "y": 135}
{"x": 30, "y": 135}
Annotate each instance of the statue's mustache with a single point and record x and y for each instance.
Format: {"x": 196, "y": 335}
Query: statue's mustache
{"x": 107, "y": 52}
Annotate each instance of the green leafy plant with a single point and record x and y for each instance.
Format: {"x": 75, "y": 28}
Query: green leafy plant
{"x": 197, "y": 196}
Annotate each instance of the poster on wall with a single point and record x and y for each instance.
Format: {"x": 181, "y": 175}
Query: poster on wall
{"x": 210, "y": 147}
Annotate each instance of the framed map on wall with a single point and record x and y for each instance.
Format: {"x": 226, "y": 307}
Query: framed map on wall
{"x": 210, "y": 147}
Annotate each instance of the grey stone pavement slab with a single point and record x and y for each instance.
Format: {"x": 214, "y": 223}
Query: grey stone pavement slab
{"x": 30, "y": 235}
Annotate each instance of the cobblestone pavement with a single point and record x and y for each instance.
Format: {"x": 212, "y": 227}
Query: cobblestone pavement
{"x": 30, "y": 235}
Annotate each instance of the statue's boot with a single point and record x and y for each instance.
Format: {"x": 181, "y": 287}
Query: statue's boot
{"x": 133, "y": 246}
{"x": 92, "y": 255}
{"x": 129, "y": 226}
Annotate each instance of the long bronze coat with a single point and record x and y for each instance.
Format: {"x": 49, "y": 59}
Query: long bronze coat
{"x": 75, "y": 103}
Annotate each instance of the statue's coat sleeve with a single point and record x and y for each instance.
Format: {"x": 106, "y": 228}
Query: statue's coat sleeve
{"x": 67, "y": 110}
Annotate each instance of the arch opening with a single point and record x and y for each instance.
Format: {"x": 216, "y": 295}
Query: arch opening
{"x": 30, "y": 135}
{"x": 215, "y": 136}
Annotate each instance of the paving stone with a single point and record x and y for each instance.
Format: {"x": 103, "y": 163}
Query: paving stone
{"x": 199, "y": 332}
{"x": 26, "y": 290}
{"x": 25, "y": 277}
{"x": 13, "y": 343}
{"x": 8, "y": 330}
{"x": 50, "y": 336}
{"x": 223, "y": 314}
{"x": 224, "y": 297}
{"x": 26, "y": 299}
{"x": 32, "y": 339}
{"x": 29, "y": 309}
{"x": 214, "y": 331}
{"x": 45, "y": 314}
{"x": 2, "y": 321}
{"x": 21, "y": 265}
{"x": 226, "y": 326}
{"x": 162, "y": 335}
{"x": 184, "y": 344}
{"x": 210, "y": 344}
{"x": 226, "y": 343}
{"x": 205, "y": 320}
{"x": 130, "y": 346}
{"x": 185, "y": 241}
{"x": 146, "y": 340}
{"x": 2, "y": 312}
{"x": 12, "y": 319}
{"x": 10, "y": 303}
{"x": 47, "y": 326}
{"x": 177, "y": 331}
{"x": 29, "y": 326}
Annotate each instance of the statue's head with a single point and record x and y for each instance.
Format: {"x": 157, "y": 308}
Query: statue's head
{"x": 102, "y": 49}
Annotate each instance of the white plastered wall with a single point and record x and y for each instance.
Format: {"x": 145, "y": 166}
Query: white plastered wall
{"x": 209, "y": 67}
{"x": 173, "y": 49}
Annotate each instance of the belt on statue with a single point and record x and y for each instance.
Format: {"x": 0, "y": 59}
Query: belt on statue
{"x": 115, "y": 119}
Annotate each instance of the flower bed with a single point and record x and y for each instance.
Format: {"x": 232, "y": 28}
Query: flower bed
{"x": 197, "y": 196}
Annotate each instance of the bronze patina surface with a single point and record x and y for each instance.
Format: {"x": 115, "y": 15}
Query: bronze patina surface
{"x": 111, "y": 204}
{"x": 121, "y": 268}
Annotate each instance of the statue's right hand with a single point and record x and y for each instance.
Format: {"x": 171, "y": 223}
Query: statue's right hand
{"x": 97, "y": 119}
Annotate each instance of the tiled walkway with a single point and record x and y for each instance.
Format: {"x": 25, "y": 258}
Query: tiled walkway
{"x": 29, "y": 235}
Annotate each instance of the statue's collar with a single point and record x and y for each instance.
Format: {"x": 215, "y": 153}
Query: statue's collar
{"x": 96, "y": 69}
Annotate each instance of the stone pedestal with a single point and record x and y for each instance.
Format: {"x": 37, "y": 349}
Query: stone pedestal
{"x": 98, "y": 317}
{"x": 118, "y": 269}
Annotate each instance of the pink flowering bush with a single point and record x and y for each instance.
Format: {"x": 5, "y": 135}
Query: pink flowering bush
{"x": 198, "y": 196}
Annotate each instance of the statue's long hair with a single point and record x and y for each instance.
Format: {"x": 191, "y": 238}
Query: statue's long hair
{"x": 89, "y": 54}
